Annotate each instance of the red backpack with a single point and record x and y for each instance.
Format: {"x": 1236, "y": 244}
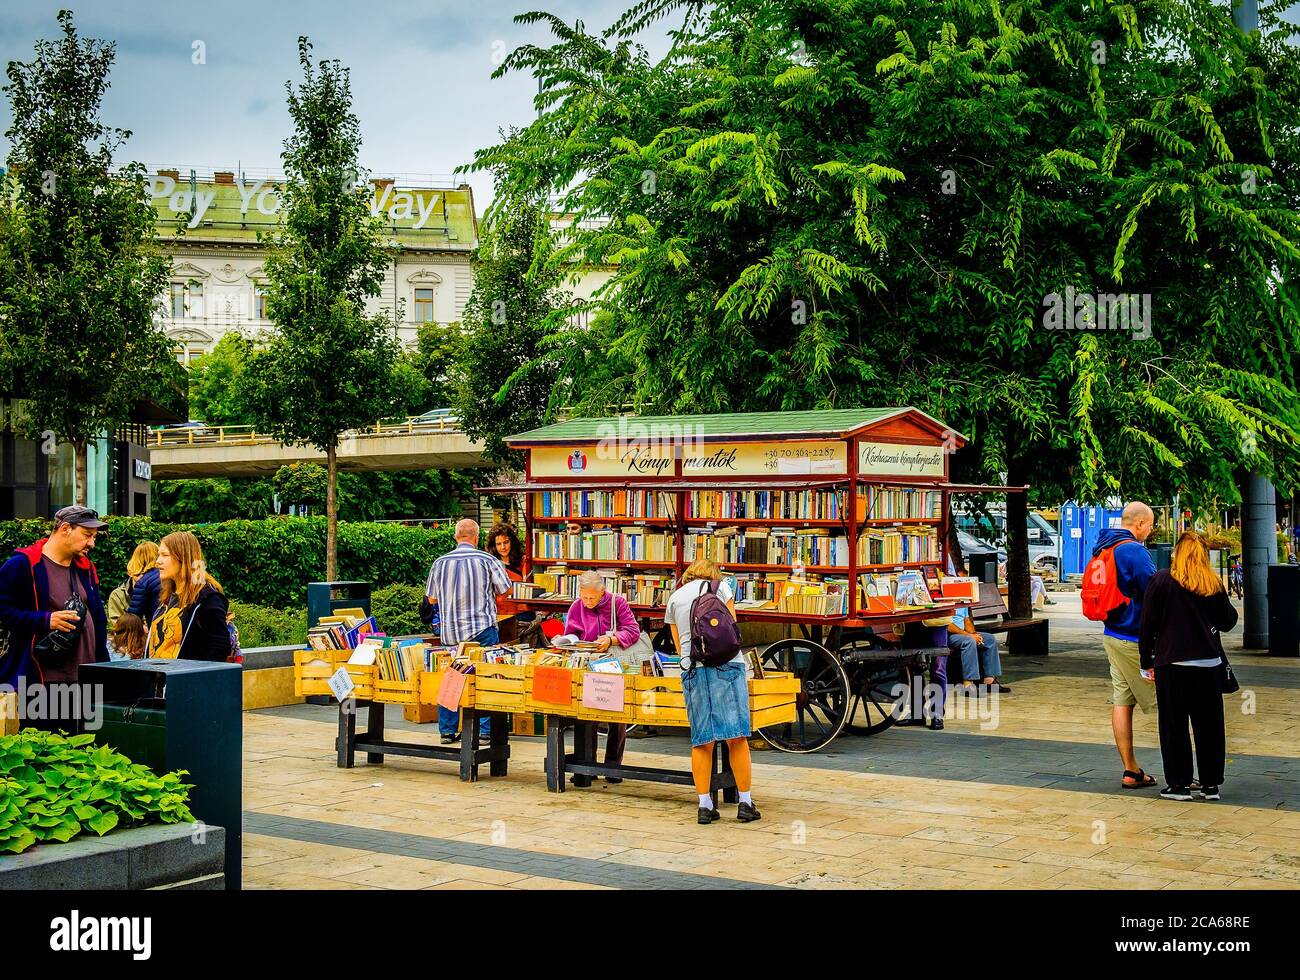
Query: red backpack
{"x": 1100, "y": 593}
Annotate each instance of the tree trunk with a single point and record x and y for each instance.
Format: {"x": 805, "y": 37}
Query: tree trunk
{"x": 81, "y": 469}
{"x": 331, "y": 511}
{"x": 1018, "y": 590}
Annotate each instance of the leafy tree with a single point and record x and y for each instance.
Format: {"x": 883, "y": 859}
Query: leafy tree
{"x": 437, "y": 347}
{"x": 812, "y": 204}
{"x": 503, "y": 373}
{"x": 329, "y": 367}
{"x": 301, "y": 484}
{"x": 396, "y": 495}
{"x": 214, "y": 382}
{"x": 212, "y": 499}
{"x": 80, "y": 274}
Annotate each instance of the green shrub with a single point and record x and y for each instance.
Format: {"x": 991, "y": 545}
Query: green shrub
{"x": 396, "y": 609}
{"x": 262, "y": 626}
{"x": 54, "y": 787}
{"x": 268, "y": 562}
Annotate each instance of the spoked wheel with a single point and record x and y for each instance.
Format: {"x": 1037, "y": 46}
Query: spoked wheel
{"x": 821, "y": 705}
{"x": 878, "y": 695}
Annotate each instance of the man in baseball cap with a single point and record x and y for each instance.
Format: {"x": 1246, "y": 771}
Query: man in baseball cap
{"x": 51, "y": 611}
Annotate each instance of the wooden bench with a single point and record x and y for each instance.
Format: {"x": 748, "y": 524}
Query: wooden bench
{"x": 1024, "y": 636}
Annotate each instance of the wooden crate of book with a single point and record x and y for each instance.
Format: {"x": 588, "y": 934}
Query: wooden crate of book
{"x": 561, "y": 705}
{"x": 772, "y": 699}
{"x": 620, "y": 717}
{"x": 499, "y": 687}
{"x": 398, "y": 692}
{"x": 658, "y": 701}
{"x": 312, "y": 670}
{"x": 431, "y": 683}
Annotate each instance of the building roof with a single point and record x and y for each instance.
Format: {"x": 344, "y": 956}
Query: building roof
{"x": 828, "y": 423}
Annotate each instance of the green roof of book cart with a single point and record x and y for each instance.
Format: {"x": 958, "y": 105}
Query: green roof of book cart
{"x": 825, "y": 423}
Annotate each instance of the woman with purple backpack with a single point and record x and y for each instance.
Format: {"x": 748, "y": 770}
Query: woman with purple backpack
{"x": 717, "y": 697}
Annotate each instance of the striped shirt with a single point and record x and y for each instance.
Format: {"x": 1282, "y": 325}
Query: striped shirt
{"x": 465, "y": 584}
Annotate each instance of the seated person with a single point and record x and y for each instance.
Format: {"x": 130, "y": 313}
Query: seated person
{"x": 598, "y": 617}
{"x": 979, "y": 655}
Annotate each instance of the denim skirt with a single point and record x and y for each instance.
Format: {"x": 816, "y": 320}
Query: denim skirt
{"x": 717, "y": 703}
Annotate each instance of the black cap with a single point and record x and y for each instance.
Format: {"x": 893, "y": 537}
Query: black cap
{"x": 79, "y": 516}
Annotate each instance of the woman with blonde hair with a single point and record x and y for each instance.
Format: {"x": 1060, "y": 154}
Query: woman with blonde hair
{"x": 142, "y": 562}
{"x": 717, "y": 698}
{"x": 192, "y": 617}
{"x": 1184, "y": 611}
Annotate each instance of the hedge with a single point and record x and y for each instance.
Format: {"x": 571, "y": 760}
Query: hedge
{"x": 267, "y": 562}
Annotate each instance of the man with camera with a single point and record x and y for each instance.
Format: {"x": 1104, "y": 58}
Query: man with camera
{"x": 51, "y": 613}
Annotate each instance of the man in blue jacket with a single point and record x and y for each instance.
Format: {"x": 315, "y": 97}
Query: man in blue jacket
{"x": 1134, "y": 568}
{"x": 41, "y": 588}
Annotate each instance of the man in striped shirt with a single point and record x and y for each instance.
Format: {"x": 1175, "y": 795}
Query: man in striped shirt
{"x": 465, "y": 583}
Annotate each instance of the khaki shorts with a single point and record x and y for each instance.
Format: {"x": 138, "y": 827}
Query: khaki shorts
{"x": 1130, "y": 687}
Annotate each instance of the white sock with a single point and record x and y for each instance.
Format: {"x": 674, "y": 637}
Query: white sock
{"x": 706, "y": 801}
{"x": 745, "y": 797}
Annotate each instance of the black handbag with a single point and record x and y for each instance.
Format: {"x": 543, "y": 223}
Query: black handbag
{"x": 1228, "y": 683}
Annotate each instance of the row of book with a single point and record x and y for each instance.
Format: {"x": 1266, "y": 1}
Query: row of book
{"x": 561, "y": 582}
{"x": 776, "y": 505}
{"x": 651, "y": 504}
{"x": 767, "y": 546}
{"x": 808, "y": 595}
{"x": 890, "y": 503}
{"x": 888, "y": 546}
{"x": 605, "y": 544}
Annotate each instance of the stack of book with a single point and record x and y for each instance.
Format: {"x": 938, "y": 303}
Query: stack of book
{"x": 772, "y": 505}
{"x": 341, "y": 631}
{"x": 650, "y": 504}
{"x": 398, "y": 660}
{"x": 890, "y": 503}
{"x": 829, "y": 597}
{"x": 891, "y": 545}
{"x": 605, "y": 544}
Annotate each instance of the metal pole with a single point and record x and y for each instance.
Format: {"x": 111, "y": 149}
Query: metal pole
{"x": 1258, "y": 507}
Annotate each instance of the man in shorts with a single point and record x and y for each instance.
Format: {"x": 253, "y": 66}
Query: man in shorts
{"x": 1134, "y": 568}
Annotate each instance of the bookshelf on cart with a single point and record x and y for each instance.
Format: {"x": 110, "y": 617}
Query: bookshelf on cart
{"x": 816, "y": 517}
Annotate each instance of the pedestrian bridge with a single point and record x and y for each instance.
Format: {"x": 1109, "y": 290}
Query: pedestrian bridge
{"x": 186, "y": 452}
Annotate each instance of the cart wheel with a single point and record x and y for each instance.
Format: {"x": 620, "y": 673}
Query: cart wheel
{"x": 876, "y": 699}
{"x": 820, "y": 709}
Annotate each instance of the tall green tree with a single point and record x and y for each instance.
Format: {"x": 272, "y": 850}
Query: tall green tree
{"x": 214, "y": 382}
{"x": 815, "y": 203}
{"x": 80, "y": 275}
{"x": 329, "y": 366}
{"x": 504, "y": 372}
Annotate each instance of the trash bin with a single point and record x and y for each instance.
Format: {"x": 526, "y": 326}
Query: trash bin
{"x": 983, "y": 565}
{"x": 1284, "y": 610}
{"x": 179, "y": 714}
{"x": 1162, "y": 554}
{"x": 325, "y": 597}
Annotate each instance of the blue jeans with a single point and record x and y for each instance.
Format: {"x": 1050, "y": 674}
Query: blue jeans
{"x": 978, "y": 659}
{"x": 449, "y": 721}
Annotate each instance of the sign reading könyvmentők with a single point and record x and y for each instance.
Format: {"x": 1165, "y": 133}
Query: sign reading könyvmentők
{"x": 649, "y": 458}
{"x": 895, "y": 459}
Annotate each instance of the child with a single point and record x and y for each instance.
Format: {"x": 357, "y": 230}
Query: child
{"x": 126, "y": 640}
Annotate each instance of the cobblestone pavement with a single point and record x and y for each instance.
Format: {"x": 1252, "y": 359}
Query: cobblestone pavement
{"x": 1027, "y": 799}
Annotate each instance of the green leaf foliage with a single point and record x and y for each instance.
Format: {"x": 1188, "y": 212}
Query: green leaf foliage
{"x": 268, "y": 562}
{"x": 54, "y": 787}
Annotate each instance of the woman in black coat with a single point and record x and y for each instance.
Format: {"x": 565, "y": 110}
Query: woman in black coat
{"x": 1183, "y": 612}
{"x": 190, "y": 590}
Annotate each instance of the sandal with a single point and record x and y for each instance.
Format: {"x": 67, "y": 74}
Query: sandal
{"x": 1144, "y": 780}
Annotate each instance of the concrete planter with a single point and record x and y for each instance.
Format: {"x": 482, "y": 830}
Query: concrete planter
{"x": 157, "y": 857}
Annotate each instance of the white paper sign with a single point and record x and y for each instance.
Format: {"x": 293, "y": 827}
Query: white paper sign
{"x": 1076, "y": 532}
{"x": 341, "y": 684}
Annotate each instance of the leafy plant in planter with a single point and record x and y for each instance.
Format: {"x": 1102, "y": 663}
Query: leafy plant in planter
{"x": 54, "y": 787}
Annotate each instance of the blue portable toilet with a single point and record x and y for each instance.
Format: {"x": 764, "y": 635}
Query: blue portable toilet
{"x": 1081, "y": 526}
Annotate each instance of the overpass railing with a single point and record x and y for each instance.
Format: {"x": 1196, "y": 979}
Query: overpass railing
{"x": 247, "y": 435}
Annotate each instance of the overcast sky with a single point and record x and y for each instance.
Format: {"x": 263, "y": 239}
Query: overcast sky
{"x": 420, "y": 74}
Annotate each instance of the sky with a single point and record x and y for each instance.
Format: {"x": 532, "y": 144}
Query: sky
{"x": 421, "y": 74}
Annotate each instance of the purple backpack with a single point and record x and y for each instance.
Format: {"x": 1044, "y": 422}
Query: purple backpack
{"x": 715, "y": 635}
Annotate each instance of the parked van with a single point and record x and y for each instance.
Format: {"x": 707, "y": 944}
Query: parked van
{"x": 991, "y": 526}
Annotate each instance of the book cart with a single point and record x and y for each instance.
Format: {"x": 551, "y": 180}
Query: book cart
{"x": 817, "y": 509}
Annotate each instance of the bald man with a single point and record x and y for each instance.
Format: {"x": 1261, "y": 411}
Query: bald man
{"x": 465, "y": 584}
{"x": 1134, "y": 568}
